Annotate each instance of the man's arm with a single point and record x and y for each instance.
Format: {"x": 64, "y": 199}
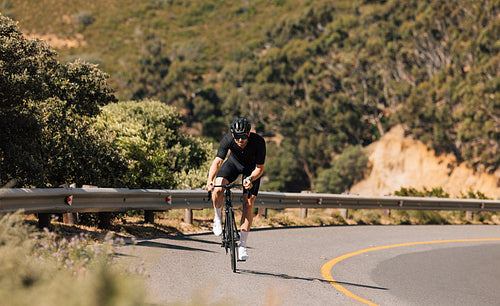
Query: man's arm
{"x": 256, "y": 173}
{"x": 214, "y": 169}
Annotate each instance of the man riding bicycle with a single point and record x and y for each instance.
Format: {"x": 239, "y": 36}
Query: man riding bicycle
{"x": 248, "y": 153}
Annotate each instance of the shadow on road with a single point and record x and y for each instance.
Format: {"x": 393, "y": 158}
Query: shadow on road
{"x": 309, "y": 279}
{"x": 192, "y": 238}
{"x": 153, "y": 244}
{"x": 359, "y": 285}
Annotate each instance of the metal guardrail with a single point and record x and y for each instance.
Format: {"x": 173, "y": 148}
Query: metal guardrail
{"x": 64, "y": 200}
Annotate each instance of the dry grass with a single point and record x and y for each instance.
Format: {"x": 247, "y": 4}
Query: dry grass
{"x": 35, "y": 265}
{"x": 170, "y": 223}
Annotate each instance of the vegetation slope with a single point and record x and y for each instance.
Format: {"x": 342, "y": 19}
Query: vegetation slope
{"x": 317, "y": 76}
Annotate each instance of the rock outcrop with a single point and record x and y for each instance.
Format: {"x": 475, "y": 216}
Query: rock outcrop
{"x": 398, "y": 161}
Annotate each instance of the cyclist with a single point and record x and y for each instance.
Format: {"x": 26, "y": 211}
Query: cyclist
{"x": 248, "y": 153}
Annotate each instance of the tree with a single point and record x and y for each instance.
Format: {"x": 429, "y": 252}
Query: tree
{"x": 28, "y": 68}
{"x": 153, "y": 66}
{"x": 344, "y": 171}
{"x": 283, "y": 170}
{"x": 45, "y": 110}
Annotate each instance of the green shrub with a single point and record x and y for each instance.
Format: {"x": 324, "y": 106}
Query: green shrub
{"x": 367, "y": 216}
{"x": 401, "y": 217}
{"x": 338, "y": 219}
{"x": 159, "y": 155}
{"x": 45, "y": 106}
{"x": 483, "y": 217}
{"x": 83, "y": 18}
{"x": 413, "y": 192}
{"x": 346, "y": 170}
{"x": 427, "y": 217}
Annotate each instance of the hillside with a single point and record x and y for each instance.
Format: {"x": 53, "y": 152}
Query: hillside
{"x": 398, "y": 161}
{"x": 116, "y": 33}
{"x": 322, "y": 76}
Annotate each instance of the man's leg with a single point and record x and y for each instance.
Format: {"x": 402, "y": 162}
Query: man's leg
{"x": 247, "y": 216}
{"x": 218, "y": 193}
{"x": 246, "y": 224}
{"x": 218, "y": 199}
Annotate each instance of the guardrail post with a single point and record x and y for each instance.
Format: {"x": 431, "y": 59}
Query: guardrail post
{"x": 149, "y": 216}
{"x": 188, "y": 216}
{"x": 68, "y": 218}
{"x": 387, "y": 212}
{"x": 262, "y": 212}
{"x": 469, "y": 215}
{"x": 344, "y": 213}
{"x": 303, "y": 213}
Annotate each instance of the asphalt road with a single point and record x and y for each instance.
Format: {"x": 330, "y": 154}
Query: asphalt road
{"x": 295, "y": 266}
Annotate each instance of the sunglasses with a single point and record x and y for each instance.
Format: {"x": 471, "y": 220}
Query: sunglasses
{"x": 240, "y": 136}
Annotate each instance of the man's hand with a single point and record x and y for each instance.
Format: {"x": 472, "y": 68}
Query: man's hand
{"x": 247, "y": 182}
{"x": 210, "y": 186}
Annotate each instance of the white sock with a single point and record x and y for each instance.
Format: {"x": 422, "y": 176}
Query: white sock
{"x": 243, "y": 238}
{"x": 218, "y": 214}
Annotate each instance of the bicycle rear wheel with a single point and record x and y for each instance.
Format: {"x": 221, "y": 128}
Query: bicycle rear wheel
{"x": 231, "y": 238}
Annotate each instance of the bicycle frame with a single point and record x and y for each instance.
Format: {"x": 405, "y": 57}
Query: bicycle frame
{"x": 229, "y": 212}
{"x": 230, "y": 235}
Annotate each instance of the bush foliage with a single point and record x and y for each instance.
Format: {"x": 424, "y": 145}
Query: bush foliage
{"x": 59, "y": 124}
{"x": 344, "y": 171}
{"x": 45, "y": 106}
{"x": 147, "y": 132}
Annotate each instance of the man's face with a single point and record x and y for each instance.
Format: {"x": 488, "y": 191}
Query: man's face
{"x": 241, "y": 139}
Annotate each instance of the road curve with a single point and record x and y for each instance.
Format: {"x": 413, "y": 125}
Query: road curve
{"x": 374, "y": 265}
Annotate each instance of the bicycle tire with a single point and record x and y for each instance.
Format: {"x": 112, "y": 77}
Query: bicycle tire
{"x": 232, "y": 240}
{"x": 224, "y": 236}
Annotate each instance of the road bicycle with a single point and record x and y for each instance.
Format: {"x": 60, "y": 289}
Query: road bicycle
{"x": 230, "y": 235}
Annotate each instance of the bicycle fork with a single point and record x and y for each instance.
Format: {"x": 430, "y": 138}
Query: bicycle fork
{"x": 226, "y": 239}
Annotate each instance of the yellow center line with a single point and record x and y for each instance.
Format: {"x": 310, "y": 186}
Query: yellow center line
{"x": 325, "y": 270}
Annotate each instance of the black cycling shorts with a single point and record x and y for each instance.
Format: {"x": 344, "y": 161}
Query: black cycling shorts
{"x": 230, "y": 170}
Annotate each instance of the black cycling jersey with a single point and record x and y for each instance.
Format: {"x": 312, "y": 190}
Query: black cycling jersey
{"x": 253, "y": 154}
{"x": 242, "y": 161}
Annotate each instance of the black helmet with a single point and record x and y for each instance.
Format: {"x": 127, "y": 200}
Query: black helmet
{"x": 240, "y": 126}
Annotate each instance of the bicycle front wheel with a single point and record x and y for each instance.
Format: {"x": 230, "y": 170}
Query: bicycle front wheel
{"x": 231, "y": 237}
